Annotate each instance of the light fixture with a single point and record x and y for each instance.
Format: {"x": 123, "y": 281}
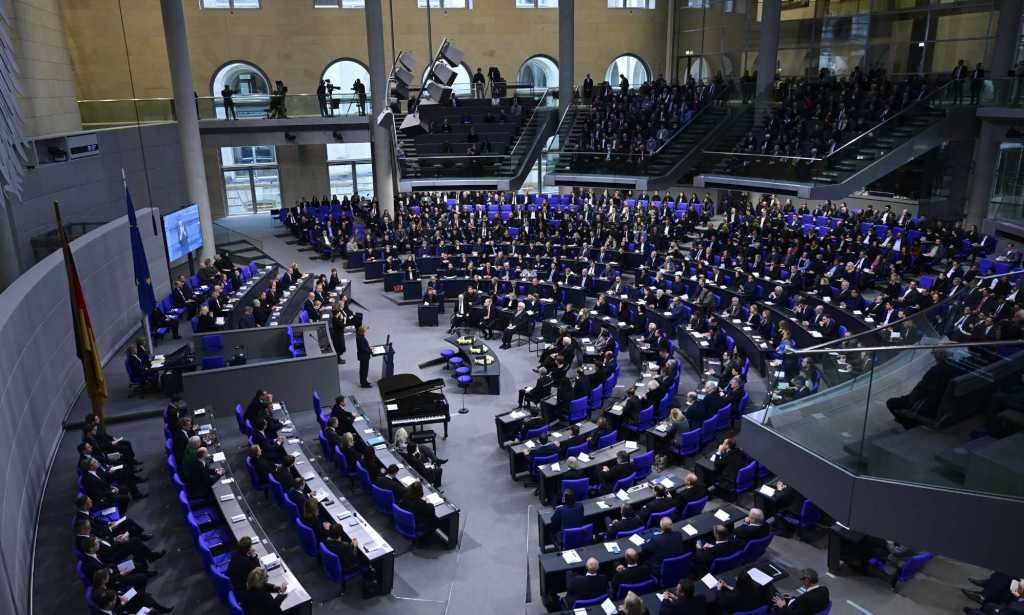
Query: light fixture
{"x": 451, "y": 54}
{"x": 920, "y": 44}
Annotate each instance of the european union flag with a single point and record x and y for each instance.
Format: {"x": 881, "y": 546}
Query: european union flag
{"x": 147, "y": 299}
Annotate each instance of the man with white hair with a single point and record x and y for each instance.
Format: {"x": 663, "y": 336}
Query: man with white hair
{"x": 517, "y": 322}
{"x": 586, "y": 586}
{"x": 996, "y": 591}
{"x": 753, "y": 527}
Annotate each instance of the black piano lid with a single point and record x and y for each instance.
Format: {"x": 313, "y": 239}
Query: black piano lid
{"x": 402, "y": 386}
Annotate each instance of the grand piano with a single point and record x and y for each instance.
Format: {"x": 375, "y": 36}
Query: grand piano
{"x": 412, "y": 403}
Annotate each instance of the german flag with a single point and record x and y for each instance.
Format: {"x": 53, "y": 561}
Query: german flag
{"x": 85, "y": 341}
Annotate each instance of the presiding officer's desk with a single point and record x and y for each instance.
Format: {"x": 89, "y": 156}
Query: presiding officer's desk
{"x": 597, "y": 509}
{"x": 241, "y": 521}
{"x": 489, "y": 370}
{"x": 376, "y": 550}
{"x": 519, "y": 452}
{"x": 553, "y": 566}
{"x": 268, "y": 363}
{"x": 368, "y": 436}
{"x": 550, "y": 475}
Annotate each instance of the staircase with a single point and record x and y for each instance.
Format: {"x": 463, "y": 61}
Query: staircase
{"x": 570, "y": 167}
{"x": 241, "y": 248}
{"x": 913, "y": 132}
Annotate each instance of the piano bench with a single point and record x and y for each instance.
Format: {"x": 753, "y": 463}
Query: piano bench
{"x": 425, "y": 436}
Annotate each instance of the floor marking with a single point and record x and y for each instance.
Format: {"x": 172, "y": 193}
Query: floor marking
{"x": 859, "y": 607}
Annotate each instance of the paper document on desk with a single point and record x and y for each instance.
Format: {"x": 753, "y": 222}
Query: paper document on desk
{"x": 199, "y": 412}
{"x": 227, "y": 497}
{"x": 555, "y": 467}
{"x": 227, "y": 481}
{"x": 622, "y": 495}
{"x": 721, "y": 515}
{"x": 530, "y": 444}
{"x": 612, "y": 547}
{"x": 815, "y": 334}
{"x": 759, "y": 577}
{"x": 406, "y": 480}
{"x": 219, "y": 456}
{"x": 709, "y": 580}
{"x": 238, "y": 518}
{"x": 220, "y": 321}
{"x": 571, "y": 557}
{"x": 269, "y": 561}
{"x": 603, "y": 505}
{"x": 609, "y": 607}
{"x": 766, "y": 491}
{"x": 126, "y": 566}
{"x": 667, "y": 483}
{"x": 636, "y": 539}
{"x": 631, "y": 445}
{"x": 690, "y": 530}
{"x": 556, "y": 434}
{"x": 579, "y": 612}
{"x": 128, "y": 595}
{"x": 433, "y": 499}
{"x": 583, "y": 457}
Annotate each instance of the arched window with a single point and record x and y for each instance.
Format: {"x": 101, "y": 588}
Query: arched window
{"x": 631, "y": 66}
{"x": 343, "y": 73}
{"x": 248, "y": 84}
{"x": 539, "y": 72}
{"x": 463, "y": 79}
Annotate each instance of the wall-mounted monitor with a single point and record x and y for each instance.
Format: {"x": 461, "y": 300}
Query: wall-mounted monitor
{"x": 181, "y": 232}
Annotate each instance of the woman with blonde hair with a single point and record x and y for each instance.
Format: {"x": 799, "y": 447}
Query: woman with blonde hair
{"x": 633, "y": 605}
{"x": 258, "y": 596}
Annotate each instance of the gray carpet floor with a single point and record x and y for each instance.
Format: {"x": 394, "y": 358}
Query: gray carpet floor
{"x": 494, "y": 570}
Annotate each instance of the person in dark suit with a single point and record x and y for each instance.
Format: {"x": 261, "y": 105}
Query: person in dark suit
{"x": 610, "y": 475}
{"x": 747, "y": 595}
{"x": 728, "y": 459}
{"x": 568, "y": 514}
{"x": 628, "y": 521}
{"x": 487, "y": 319}
{"x": 516, "y": 323}
{"x": 390, "y": 482}
{"x": 632, "y": 406}
{"x": 813, "y": 600}
{"x": 723, "y": 545}
{"x": 422, "y": 511}
{"x": 258, "y": 596}
{"x": 243, "y": 561}
{"x": 694, "y": 490}
{"x": 661, "y": 502}
{"x": 924, "y": 398}
{"x": 574, "y": 439}
{"x": 263, "y": 466}
{"x": 587, "y": 586}
{"x": 753, "y": 527}
{"x": 630, "y": 572}
{"x": 664, "y": 545}
{"x": 363, "y": 354}
{"x": 683, "y": 601}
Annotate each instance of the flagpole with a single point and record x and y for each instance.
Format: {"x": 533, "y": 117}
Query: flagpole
{"x": 145, "y": 317}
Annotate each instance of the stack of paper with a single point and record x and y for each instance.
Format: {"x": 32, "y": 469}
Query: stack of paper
{"x": 766, "y": 491}
{"x": 710, "y": 581}
{"x": 636, "y": 539}
{"x": 433, "y": 499}
{"x": 690, "y": 530}
{"x": 612, "y": 547}
{"x": 759, "y": 577}
{"x": 571, "y": 557}
{"x": 583, "y": 457}
{"x": 721, "y": 515}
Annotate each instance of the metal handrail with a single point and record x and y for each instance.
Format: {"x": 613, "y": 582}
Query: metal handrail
{"x": 817, "y": 350}
{"x": 533, "y": 114}
{"x": 876, "y": 127}
{"x": 718, "y": 153}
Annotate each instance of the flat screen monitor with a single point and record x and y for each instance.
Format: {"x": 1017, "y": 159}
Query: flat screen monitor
{"x": 181, "y": 231}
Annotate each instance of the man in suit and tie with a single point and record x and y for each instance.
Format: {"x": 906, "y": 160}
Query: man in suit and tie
{"x": 630, "y": 572}
{"x": 390, "y": 482}
{"x": 959, "y": 76}
{"x": 722, "y": 545}
{"x": 363, "y": 353}
{"x": 622, "y": 468}
{"x": 694, "y": 490}
{"x": 585, "y": 586}
{"x": 728, "y": 459}
{"x": 311, "y": 307}
{"x": 664, "y": 545}
{"x": 813, "y": 600}
{"x": 517, "y": 323}
{"x": 753, "y": 527}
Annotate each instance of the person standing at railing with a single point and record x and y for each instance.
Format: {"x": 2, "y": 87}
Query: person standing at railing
{"x": 360, "y": 91}
{"x": 321, "y": 97}
{"x": 977, "y": 83}
{"x": 229, "y": 103}
{"x": 959, "y": 76}
{"x": 479, "y": 81}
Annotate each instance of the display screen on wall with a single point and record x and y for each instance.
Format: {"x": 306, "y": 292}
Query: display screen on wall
{"x": 181, "y": 230}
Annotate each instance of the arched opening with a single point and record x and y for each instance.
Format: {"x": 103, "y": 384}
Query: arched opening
{"x": 342, "y": 74}
{"x": 539, "y": 72}
{"x": 463, "y": 79}
{"x": 249, "y": 86}
{"x": 631, "y": 66}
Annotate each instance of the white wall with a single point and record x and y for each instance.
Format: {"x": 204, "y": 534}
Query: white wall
{"x": 40, "y": 375}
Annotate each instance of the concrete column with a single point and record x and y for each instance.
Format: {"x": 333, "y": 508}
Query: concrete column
{"x": 188, "y": 118}
{"x": 986, "y": 151}
{"x": 1005, "y": 47}
{"x": 9, "y": 266}
{"x": 670, "y": 43}
{"x": 566, "y": 54}
{"x": 768, "y": 52}
{"x": 383, "y": 166}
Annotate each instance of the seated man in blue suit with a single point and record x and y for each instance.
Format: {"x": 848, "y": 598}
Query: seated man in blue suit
{"x": 664, "y": 545}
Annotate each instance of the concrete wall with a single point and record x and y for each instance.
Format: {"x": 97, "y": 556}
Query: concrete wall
{"x": 49, "y": 96}
{"x": 303, "y": 171}
{"x": 90, "y": 189}
{"x": 290, "y": 40}
{"x": 40, "y": 375}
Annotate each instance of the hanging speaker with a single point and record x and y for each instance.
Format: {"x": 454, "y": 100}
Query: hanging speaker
{"x": 411, "y": 125}
{"x": 406, "y": 61}
{"x": 443, "y": 74}
{"x": 452, "y": 54}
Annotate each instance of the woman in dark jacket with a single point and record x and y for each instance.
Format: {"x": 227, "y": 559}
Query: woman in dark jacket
{"x": 746, "y": 596}
{"x": 258, "y": 596}
{"x": 413, "y": 502}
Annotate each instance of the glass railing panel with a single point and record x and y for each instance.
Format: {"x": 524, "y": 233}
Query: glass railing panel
{"x": 1006, "y": 92}
{"x": 113, "y": 112}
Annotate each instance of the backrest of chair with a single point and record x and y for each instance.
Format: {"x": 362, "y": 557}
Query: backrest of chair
{"x": 213, "y": 362}
{"x": 761, "y": 610}
{"x": 577, "y": 536}
{"x": 724, "y": 564}
{"x": 913, "y": 566}
{"x": 608, "y": 439}
{"x": 646, "y": 417}
{"x": 254, "y": 476}
{"x": 809, "y": 514}
{"x": 595, "y": 397}
{"x": 574, "y": 451}
{"x": 384, "y": 498}
{"x": 331, "y": 562}
{"x": 405, "y": 522}
{"x": 540, "y": 460}
{"x": 212, "y": 343}
{"x": 689, "y": 442}
{"x": 643, "y": 464}
{"x": 745, "y": 477}
{"x": 590, "y": 602}
{"x": 579, "y": 486}
{"x": 640, "y": 588}
{"x": 654, "y": 518}
{"x": 364, "y": 477}
{"x": 826, "y": 610}
{"x": 536, "y": 432}
{"x": 756, "y": 548}
{"x": 240, "y": 419}
{"x": 708, "y": 429}
{"x": 675, "y": 568}
{"x": 694, "y": 507}
{"x": 233, "y": 603}
{"x": 624, "y": 483}
{"x": 341, "y": 461}
{"x": 578, "y": 409}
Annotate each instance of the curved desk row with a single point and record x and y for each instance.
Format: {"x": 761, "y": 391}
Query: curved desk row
{"x": 480, "y": 359}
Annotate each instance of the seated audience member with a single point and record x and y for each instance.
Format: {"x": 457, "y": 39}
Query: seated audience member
{"x": 682, "y": 600}
{"x": 587, "y": 586}
{"x": 745, "y": 595}
{"x": 631, "y": 571}
{"x": 422, "y": 511}
{"x": 258, "y": 597}
{"x": 813, "y": 599}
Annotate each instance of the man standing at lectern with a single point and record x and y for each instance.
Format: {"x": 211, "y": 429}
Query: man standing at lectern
{"x": 363, "y": 354}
